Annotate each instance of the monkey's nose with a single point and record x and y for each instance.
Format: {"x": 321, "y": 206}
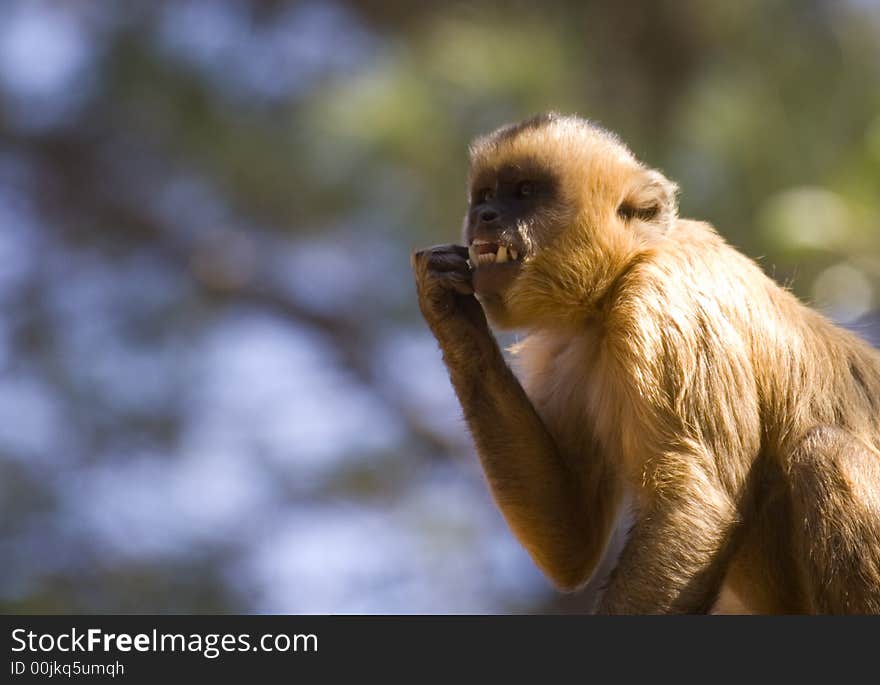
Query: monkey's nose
{"x": 487, "y": 216}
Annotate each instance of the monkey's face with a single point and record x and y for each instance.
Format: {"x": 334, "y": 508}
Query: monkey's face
{"x": 558, "y": 209}
{"x": 512, "y": 210}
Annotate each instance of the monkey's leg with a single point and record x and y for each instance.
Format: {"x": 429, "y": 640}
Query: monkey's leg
{"x": 538, "y": 494}
{"x": 835, "y": 489}
{"x": 675, "y": 558}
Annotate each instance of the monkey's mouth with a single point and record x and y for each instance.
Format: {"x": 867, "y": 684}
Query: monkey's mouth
{"x": 495, "y": 266}
{"x": 484, "y": 252}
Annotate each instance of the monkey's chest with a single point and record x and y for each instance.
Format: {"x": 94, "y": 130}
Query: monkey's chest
{"x": 577, "y": 394}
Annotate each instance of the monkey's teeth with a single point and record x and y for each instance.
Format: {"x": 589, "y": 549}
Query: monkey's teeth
{"x": 501, "y": 255}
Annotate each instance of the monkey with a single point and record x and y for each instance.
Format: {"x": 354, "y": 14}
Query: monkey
{"x": 665, "y": 391}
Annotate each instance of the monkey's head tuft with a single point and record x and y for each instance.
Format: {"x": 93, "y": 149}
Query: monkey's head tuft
{"x": 558, "y": 208}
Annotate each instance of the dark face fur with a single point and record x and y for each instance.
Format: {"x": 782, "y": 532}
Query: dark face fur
{"x": 510, "y": 211}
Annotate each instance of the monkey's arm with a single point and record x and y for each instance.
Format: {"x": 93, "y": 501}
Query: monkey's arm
{"x": 540, "y": 496}
{"x": 677, "y": 551}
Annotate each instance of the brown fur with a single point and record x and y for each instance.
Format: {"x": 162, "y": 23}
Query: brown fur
{"x": 662, "y": 374}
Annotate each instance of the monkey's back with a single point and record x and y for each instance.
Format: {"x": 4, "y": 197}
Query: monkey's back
{"x": 723, "y": 321}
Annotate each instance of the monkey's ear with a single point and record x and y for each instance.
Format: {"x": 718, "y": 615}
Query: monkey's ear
{"x": 651, "y": 198}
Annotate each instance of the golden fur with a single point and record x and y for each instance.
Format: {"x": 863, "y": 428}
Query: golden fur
{"x": 671, "y": 373}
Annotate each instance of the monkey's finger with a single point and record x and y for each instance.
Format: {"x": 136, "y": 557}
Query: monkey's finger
{"x": 448, "y": 248}
{"x": 443, "y": 261}
{"x": 460, "y": 283}
{"x": 441, "y": 257}
{"x": 460, "y": 250}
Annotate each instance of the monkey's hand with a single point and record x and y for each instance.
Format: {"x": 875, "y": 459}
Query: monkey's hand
{"x": 446, "y": 295}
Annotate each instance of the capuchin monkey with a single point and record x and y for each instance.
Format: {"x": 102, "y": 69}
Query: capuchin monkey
{"x": 666, "y": 389}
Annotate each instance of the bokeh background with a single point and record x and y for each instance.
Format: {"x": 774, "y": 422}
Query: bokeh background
{"x": 216, "y": 393}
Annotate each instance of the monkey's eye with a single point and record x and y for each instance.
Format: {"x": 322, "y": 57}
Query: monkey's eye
{"x": 484, "y": 195}
{"x": 525, "y": 188}
{"x": 630, "y": 211}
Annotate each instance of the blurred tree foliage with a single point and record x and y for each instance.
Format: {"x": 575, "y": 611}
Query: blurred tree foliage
{"x": 206, "y": 211}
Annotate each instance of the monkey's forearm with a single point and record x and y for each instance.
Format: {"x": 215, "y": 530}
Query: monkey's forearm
{"x": 676, "y": 554}
{"x": 539, "y": 495}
